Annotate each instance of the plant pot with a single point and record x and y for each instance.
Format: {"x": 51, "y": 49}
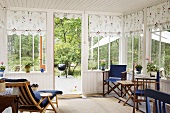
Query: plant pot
{"x": 139, "y": 70}
{"x": 153, "y": 74}
{"x": 27, "y": 69}
{"x": 102, "y": 68}
{"x": 1, "y": 73}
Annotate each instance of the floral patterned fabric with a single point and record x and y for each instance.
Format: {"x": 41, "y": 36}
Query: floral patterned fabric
{"x": 22, "y": 22}
{"x": 105, "y": 24}
{"x": 158, "y": 16}
{"x": 68, "y": 15}
{"x": 133, "y": 23}
{"x": 2, "y": 18}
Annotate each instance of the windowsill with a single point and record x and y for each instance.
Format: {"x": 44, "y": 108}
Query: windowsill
{"x": 21, "y": 73}
{"x": 164, "y": 79}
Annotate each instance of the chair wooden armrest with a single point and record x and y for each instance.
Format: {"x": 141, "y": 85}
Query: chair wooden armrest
{"x": 106, "y": 74}
{"x": 124, "y": 75}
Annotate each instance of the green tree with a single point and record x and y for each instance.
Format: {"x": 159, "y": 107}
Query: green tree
{"x": 68, "y": 43}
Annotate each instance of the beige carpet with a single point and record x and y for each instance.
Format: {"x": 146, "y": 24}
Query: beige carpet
{"x": 92, "y": 105}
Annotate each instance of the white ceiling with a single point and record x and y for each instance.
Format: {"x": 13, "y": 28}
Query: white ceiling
{"x": 115, "y": 6}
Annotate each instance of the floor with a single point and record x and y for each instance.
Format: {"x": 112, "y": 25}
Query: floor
{"x": 69, "y": 85}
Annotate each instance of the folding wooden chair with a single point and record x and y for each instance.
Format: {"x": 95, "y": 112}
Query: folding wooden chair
{"x": 116, "y": 73}
{"x": 32, "y": 101}
{"x": 140, "y": 85}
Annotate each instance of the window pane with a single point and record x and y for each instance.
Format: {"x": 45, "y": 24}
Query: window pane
{"x": 129, "y": 57}
{"x": 13, "y": 53}
{"x": 114, "y": 50}
{"x": 165, "y": 51}
{"x": 93, "y": 53}
{"x": 26, "y": 49}
{"x": 23, "y": 49}
{"x": 155, "y": 49}
{"x": 103, "y": 51}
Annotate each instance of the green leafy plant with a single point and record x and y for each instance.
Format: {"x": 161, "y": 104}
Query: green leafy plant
{"x": 138, "y": 66}
{"x": 29, "y": 64}
{"x": 151, "y": 67}
{"x": 102, "y": 62}
{"x": 2, "y": 67}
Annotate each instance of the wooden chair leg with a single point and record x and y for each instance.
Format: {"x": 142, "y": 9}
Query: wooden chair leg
{"x": 56, "y": 100}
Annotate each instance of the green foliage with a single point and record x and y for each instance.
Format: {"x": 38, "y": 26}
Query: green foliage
{"x": 138, "y": 66}
{"x": 26, "y": 50}
{"x": 67, "y": 48}
{"x": 2, "y": 67}
{"x": 151, "y": 67}
{"x": 29, "y": 64}
{"x": 102, "y": 62}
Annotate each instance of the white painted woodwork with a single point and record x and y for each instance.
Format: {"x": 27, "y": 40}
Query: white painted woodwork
{"x": 44, "y": 80}
{"x": 92, "y": 82}
{"x": 165, "y": 85}
{"x": 115, "y": 6}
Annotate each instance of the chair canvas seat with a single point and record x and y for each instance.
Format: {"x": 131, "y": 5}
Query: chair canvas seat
{"x": 113, "y": 79}
{"x": 110, "y": 78}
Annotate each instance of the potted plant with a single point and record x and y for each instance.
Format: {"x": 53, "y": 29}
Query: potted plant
{"x": 152, "y": 68}
{"x": 28, "y": 66}
{"x": 138, "y": 68}
{"x": 102, "y": 64}
{"x": 2, "y": 69}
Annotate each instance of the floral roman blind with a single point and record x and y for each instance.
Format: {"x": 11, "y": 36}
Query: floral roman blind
{"x": 2, "y": 18}
{"x": 68, "y": 15}
{"x": 26, "y": 21}
{"x": 105, "y": 25}
{"x": 158, "y": 16}
{"x": 133, "y": 24}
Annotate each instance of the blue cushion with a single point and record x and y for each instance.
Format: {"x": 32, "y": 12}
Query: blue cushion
{"x": 14, "y": 80}
{"x": 37, "y": 98}
{"x": 139, "y": 92}
{"x": 51, "y": 91}
{"x": 113, "y": 79}
{"x": 54, "y": 92}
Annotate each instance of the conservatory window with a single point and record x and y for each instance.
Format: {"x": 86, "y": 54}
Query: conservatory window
{"x": 104, "y": 35}
{"x": 23, "y": 48}
{"x": 160, "y": 53}
{"x": 134, "y": 51}
{"x": 103, "y": 49}
{"x": 26, "y": 40}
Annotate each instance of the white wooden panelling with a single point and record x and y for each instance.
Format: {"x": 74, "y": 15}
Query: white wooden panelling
{"x": 44, "y": 80}
{"x": 115, "y": 6}
{"x": 20, "y": 3}
{"x": 92, "y": 82}
{"x": 165, "y": 85}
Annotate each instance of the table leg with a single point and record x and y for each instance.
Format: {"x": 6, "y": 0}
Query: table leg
{"x": 14, "y": 106}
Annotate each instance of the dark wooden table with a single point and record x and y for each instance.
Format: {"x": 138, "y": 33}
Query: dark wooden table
{"x": 9, "y": 101}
